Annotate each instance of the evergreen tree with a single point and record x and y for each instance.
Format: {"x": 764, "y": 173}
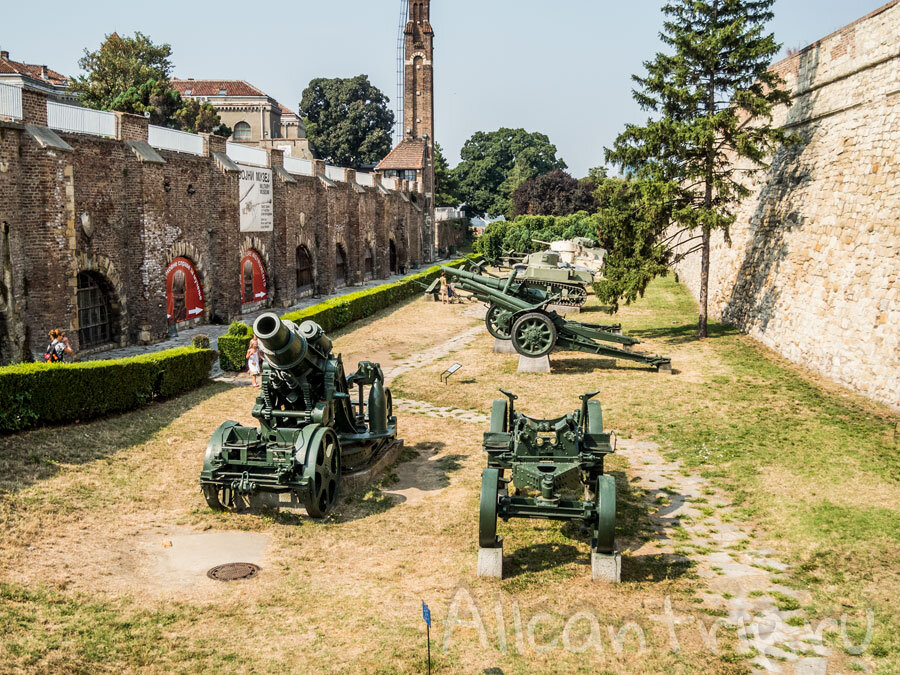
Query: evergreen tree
{"x": 446, "y": 187}
{"x": 711, "y": 101}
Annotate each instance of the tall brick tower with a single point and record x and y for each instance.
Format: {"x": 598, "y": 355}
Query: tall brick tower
{"x": 413, "y": 157}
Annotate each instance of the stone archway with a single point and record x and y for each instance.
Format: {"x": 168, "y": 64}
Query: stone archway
{"x": 305, "y": 244}
{"x": 183, "y": 249}
{"x": 105, "y": 270}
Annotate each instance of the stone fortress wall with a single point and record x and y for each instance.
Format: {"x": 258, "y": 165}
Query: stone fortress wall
{"x": 121, "y": 211}
{"x": 813, "y": 267}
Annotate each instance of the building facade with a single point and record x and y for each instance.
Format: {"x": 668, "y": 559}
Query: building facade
{"x": 47, "y": 81}
{"x": 413, "y": 157}
{"x": 118, "y": 231}
{"x": 254, "y": 117}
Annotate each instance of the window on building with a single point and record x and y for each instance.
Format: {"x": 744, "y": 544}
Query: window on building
{"x": 222, "y": 92}
{"x": 94, "y": 311}
{"x": 188, "y": 92}
{"x": 304, "y": 270}
{"x": 242, "y": 131}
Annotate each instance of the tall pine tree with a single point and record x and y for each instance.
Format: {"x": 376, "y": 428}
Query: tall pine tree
{"x": 711, "y": 102}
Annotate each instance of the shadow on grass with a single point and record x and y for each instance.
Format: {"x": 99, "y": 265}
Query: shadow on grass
{"x": 684, "y": 333}
{"x": 30, "y": 457}
{"x": 540, "y": 558}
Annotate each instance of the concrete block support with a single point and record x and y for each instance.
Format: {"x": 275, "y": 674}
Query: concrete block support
{"x": 503, "y": 347}
{"x": 490, "y": 562}
{"x": 528, "y": 365}
{"x": 606, "y": 567}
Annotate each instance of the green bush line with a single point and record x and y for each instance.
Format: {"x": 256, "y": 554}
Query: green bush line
{"x": 33, "y": 394}
{"x": 338, "y": 312}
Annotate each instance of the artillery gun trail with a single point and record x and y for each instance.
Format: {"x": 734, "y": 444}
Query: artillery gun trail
{"x": 311, "y": 429}
{"x": 520, "y": 313}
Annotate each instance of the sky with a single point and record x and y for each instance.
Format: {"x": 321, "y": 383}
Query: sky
{"x": 562, "y": 68}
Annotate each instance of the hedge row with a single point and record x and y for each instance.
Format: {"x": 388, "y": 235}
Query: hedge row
{"x": 32, "y": 394}
{"x": 335, "y": 313}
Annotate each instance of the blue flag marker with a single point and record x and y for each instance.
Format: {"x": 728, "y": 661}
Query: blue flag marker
{"x": 426, "y": 614}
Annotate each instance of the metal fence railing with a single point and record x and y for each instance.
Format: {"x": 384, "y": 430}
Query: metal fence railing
{"x": 365, "y": 179}
{"x": 10, "y": 102}
{"x": 79, "y": 120}
{"x": 334, "y": 172}
{"x": 296, "y": 165}
{"x": 164, "y": 138}
{"x": 246, "y": 154}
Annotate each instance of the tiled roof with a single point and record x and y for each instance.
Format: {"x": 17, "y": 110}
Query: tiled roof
{"x": 287, "y": 111}
{"x": 407, "y": 155}
{"x": 10, "y": 67}
{"x": 213, "y": 87}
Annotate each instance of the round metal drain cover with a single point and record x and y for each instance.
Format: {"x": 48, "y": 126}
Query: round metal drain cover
{"x": 233, "y": 571}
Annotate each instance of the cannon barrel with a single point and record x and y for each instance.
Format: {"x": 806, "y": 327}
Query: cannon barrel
{"x": 283, "y": 345}
{"x": 491, "y": 290}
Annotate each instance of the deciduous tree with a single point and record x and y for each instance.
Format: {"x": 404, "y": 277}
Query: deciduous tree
{"x": 348, "y": 121}
{"x": 553, "y": 194}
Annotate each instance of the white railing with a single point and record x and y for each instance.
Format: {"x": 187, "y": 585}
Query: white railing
{"x": 172, "y": 139}
{"x": 296, "y": 165}
{"x": 334, "y": 172}
{"x": 10, "y": 102}
{"x": 81, "y": 120}
{"x": 391, "y": 183}
{"x": 365, "y": 179}
{"x": 245, "y": 154}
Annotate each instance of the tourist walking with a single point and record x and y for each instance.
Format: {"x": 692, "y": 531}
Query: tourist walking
{"x": 58, "y": 347}
{"x": 253, "y": 361}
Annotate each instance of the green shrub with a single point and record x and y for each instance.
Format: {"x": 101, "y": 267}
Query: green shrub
{"x": 233, "y": 347}
{"x": 338, "y": 312}
{"x": 55, "y": 393}
{"x": 200, "y": 341}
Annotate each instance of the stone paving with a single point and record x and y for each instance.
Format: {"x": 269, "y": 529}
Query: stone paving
{"x": 184, "y": 337}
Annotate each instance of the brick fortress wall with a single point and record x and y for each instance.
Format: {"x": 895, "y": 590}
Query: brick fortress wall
{"x": 100, "y": 207}
{"x": 813, "y": 268}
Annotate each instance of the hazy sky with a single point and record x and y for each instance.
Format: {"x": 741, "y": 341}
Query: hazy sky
{"x": 560, "y": 67}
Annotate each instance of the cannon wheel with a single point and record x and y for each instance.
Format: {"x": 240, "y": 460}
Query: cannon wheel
{"x": 605, "y": 528}
{"x": 487, "y": 514}
{"x": 534, "y": 335}
{"x": 324, "y": 473}
{"x": 498, "y": 322}
{"x": 578, "y": 296}
{"x": 218, "y": 497}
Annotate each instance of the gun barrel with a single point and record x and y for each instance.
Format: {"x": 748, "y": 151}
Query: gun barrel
{"x": 282, "y": 347}
{"x": 488, "y": 289}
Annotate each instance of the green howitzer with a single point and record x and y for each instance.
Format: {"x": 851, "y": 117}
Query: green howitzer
{"x": 555, "y": 467}
{"x": 311, "y": 430}
{"x": 519, "y": 313}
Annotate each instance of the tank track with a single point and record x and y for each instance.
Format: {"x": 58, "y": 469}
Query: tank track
{"x": 557, "y": 287}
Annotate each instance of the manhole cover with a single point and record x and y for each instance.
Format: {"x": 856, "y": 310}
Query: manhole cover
{"x": 233, "y": 571}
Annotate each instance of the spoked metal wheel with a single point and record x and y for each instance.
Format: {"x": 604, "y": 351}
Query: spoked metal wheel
{"x": 605, "y": 526}
{"x": 218, "y": 497}
{"x": 576, "y": 296}
{"x": 324, "y": 474}
{"x": 534, "y": 335}
{"x": 487, "y": 514}
{"x": 498, "y": 322}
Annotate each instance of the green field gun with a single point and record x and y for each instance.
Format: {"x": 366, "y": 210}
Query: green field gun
{"x": 520, "y": 313}
{"x": 312, "y": 428}
{"x": 555, "y": 470}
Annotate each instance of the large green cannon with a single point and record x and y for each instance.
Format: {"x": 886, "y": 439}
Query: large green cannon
{"x": 520, "y": 313}
{"x": 556, "y": 471}
{"x": 311, "y": 428}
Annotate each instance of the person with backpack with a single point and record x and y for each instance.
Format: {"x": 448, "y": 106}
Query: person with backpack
{"x": 58, "y": 347}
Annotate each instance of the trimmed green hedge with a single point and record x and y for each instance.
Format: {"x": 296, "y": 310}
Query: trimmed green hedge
{"x": 338, "y": 312}
{"x": 32, "y": 394}
{"x": 233, "y": 347}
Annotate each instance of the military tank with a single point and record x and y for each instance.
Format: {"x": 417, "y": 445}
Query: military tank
{"x": 542, "y": 271}
{"x": 580, "y": 253}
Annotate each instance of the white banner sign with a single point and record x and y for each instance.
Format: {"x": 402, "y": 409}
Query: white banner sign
{"x": 256, "y": 199}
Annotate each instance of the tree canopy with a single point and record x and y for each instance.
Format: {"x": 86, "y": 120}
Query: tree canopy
{"x": 495, "y": 163}
{"x": 131, "y": 74}
{"x": 518, "y": 235}
{"x": 348, "y": 121}
{"x": 711, "y": 101}
{"x": 553, "y": 194}
{"x": 446, "y": 187}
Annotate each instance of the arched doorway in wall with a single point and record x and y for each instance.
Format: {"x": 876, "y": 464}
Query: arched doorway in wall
{"x": 97, "y": 310}
{"x": 393, "y": 259}
{"x": 305, "y": 278}
{"x": 340, "y": 267}
{"x": 184, "y": 292}
{"x": 254, "y": 284}
{"x": 369, "y": 267}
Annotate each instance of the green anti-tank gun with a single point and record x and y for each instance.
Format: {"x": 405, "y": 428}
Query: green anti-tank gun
{"x": 311, "y": 428}
{"x": 555, "y": 469}
{"x": 521, "y": 313}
